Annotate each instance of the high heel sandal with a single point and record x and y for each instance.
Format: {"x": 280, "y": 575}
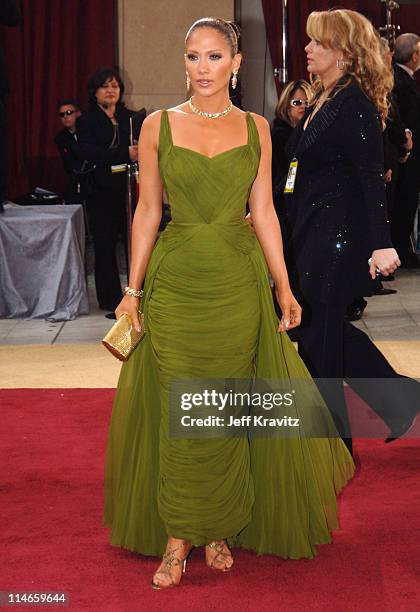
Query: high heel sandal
{"x": 220, "y": 556}
{"x": 170, "y": 560}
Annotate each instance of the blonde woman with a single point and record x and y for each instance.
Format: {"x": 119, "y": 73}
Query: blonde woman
{"x": 336, "y": 207}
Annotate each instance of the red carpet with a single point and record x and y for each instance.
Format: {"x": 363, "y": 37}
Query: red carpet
{"x": 52, "y": 454}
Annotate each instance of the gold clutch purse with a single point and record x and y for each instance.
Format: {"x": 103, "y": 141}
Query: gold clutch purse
{"x": 122, "y": 338}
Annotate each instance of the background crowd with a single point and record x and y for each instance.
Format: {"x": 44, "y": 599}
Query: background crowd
{"x": 88, "y": 154}
{"x": 401, "y": 152}
{"x": 92, "y": 144}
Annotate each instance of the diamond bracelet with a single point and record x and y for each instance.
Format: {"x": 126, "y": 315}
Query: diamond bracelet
{"x": 133, "y": 292}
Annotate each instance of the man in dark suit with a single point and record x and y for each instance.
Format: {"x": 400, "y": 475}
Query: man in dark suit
{"x": 9, "y": 16}
{"x": 407, "y": 95}
{"x": 66, "y": 142}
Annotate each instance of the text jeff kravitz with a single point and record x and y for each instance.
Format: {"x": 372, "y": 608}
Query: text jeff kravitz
{"x": 244, "y": 421}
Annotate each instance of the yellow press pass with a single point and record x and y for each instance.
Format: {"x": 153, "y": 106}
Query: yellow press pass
{"x": 291, "y": 176}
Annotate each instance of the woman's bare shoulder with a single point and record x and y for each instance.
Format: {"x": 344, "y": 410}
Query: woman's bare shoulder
{"x": 153, "y": 119}
{"x": 263, "y": 126}
{"x": 151, "y": 125}
{"x": 260, "y": 121}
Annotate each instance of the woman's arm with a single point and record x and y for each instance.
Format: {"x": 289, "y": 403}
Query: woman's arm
{"x": 267, "y": 229}
{"x": 148, "y": 213}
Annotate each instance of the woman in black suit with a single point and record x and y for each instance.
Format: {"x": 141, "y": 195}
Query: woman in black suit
{"x": 336, "y": 208}
{"x": 103, "y": 135}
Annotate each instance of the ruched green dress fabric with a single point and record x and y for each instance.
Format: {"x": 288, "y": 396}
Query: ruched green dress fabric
{"x": 209, "y": 314}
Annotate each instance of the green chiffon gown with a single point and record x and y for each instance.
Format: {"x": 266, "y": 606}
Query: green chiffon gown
{"x": 209, "y": 314}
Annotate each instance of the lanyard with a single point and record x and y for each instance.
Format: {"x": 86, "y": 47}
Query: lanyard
{"x": 291, "y": 176}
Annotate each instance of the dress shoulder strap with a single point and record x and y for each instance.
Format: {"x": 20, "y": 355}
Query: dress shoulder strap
{"x": 165, "y": 135}
{"x": 253, "y": 135}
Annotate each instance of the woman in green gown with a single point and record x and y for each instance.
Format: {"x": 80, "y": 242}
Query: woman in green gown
{"x": 209, "y": 314}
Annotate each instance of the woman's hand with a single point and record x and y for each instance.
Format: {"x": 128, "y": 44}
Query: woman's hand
{"x": 129, "y": 305}
{"x": 248, "y": 219}
{"x": 290, "y": 308}
{"x": 386, "y": 261}
{"x": 388, "y": 176}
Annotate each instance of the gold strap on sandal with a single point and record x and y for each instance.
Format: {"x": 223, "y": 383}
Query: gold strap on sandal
{"x": 218, "y": 546}
{"x": 170, "y": 560}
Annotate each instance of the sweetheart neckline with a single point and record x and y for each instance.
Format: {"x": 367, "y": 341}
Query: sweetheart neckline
{"x": 213, "y": 156}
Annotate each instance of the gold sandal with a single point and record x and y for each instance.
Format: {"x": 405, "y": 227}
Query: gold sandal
{"x": 170, "y": 560}
{"x": 220, "y": 556}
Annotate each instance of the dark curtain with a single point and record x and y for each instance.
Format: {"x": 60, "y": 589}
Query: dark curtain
{"x": 298, "y": 10}
{"x": 50, "y": 56}
{"x": 272, "y": 10}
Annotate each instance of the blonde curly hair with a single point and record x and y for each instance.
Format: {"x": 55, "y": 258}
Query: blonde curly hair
{"x": 356, "y": 37}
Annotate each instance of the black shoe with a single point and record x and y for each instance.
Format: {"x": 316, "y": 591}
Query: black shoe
{"x": 388, "y": 278}
{"x": 354, "y": 315}
{"x": 355, "y": 310}
{"x": 401, "y": 429}
{"x": 111, "y": 315}
{"x": 382, "y": 291}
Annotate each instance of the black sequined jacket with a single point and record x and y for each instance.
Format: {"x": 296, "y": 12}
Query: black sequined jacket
{"x": 337, "y": 211}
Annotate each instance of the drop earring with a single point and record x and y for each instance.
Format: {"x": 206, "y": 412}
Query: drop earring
{"x": 188, "y": 81}
{"x": 234, "y": 79}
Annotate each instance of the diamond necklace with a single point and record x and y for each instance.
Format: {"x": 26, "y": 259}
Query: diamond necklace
{"x": 197, "y": 111}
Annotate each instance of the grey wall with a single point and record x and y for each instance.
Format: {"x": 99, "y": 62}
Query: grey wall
{"x": 258, "y": 88}
{"x": 151, "y": 47}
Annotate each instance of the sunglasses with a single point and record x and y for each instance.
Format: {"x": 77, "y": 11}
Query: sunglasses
{"x": 299, "y": 102}
{"x": 66, "y": 113}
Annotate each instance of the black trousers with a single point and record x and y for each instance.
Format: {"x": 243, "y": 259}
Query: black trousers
{"x": 333, "y": 348}
{"x": 405, "y": 202}
{"x": 107, "y": 217}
